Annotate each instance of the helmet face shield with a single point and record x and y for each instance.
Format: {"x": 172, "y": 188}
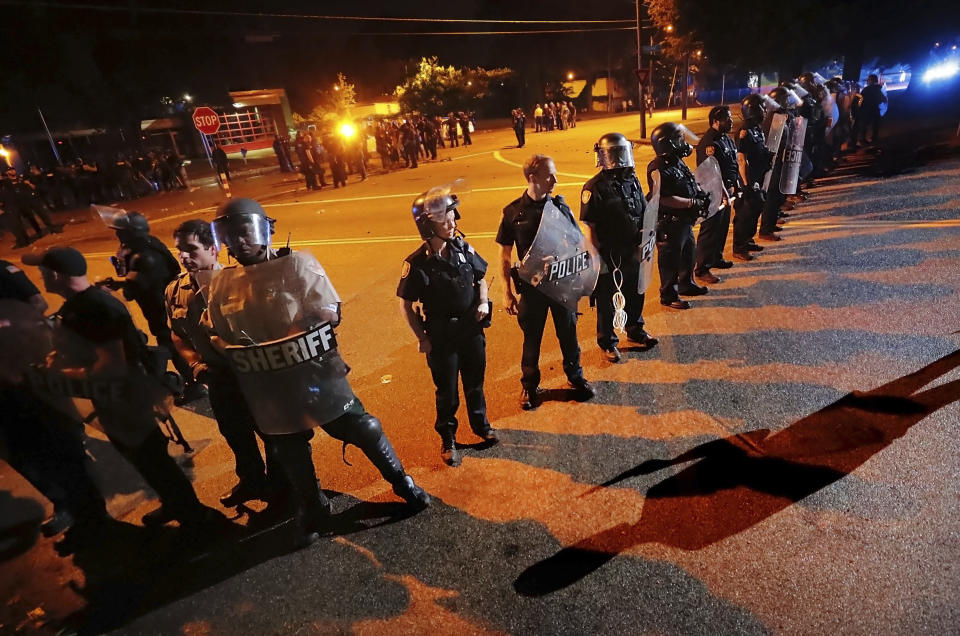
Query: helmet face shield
{"x": 433, "y": 205}
{"x": 241, "y": 233}
{"x": 614, "y": 151}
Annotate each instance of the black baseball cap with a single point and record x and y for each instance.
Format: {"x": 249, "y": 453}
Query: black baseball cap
{"x": 63, "y": 260}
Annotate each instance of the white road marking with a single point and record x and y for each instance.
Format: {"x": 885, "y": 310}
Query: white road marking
{"x": 502, "y": 159}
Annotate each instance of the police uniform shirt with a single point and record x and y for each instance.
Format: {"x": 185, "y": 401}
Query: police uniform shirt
{"x": 99, "y": 318}
{"x": 185, "y": 307}
{"x": 675, "y": 180}
{"x": 750, "y": 142}
{"x": 445, "y": 284}
{"x": 613, "y": 203}
{"x": 521, "y": 221}
{"x": 14, "y": 284}
{"x": 725, "y": 152}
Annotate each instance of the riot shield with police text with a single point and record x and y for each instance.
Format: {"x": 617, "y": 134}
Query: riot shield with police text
{"x": 710, "y": 180}
{"x": 793, "y": 155}
{"x": 272, "y": 320}
{"x": 777, "y": 128}
{"x": 561, "y": 263}
{"x": 126, "y": 400}
{"x": 649, "y": 238}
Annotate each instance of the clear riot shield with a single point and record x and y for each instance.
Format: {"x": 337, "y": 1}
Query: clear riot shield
{"x": 561, "y": 263}
{"x": 126, "y": 400}
{"x": 777, "y": 128}
{"x": 710, "y": 180}
{"x": 793, "y": 156}
{"x": 284, "y": 354}
{"x": 649, "y": 239}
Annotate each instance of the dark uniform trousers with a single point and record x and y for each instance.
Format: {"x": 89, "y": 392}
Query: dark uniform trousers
{"x": 464, "y": 356}
{"x": 161, "y": 473}
{"x": 153, "y": 305}
{"x": 603, "y": 296}
{"x": 747, "y": 210}
{"x": 775, "y": 199}
{"x": 46, "y": 447}
{"x": 675, "y": 245}
{"x": 532, "y": 316}
{"x": 357, "y": 427}
{"x": 240, "y": 430}
{"x": 712, "y": 239}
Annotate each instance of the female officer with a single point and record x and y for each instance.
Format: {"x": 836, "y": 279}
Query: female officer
{"x": 445, "y": 276}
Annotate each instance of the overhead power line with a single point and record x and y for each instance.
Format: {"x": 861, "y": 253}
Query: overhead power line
{"x": 517, "y": 32}
{"x": 302, "y": 16}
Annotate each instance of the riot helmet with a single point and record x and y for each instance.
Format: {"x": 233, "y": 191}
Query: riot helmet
{"x": 808, "y": 81}
{"x": 119, "y": 220}
{"x": 780, "y": 96}
{"x": 613, "y": 150}
{"x": 244, "y": 227}
{"x": 432, "y": 207}
{"x": 751, "y": 108}
{"x": 669, "y": 140}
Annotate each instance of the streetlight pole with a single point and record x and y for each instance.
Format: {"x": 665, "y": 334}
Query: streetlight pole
{"x": 641, "y": 100}
{"x": 686, "y": 83}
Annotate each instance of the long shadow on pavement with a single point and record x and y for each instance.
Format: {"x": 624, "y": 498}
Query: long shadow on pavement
{"x": 739, "y": 481}
{"x": 132, "y": 570}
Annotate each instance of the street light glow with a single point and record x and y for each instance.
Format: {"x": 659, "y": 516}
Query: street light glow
{"x": 570, "y": 75}
{"x": 669, "y": 28}
{"x": 347, "y": 130}
{"x": 187, "y": 97}
{"x": 336, "y": 87}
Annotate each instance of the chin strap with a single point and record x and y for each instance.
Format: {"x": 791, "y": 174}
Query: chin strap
{"x": 619, "y": 301}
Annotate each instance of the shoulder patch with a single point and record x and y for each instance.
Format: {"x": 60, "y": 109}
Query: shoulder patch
{"x": 585, "y": 196}
{"x": 405, "y": 270}
{"x": 709, "y": 151}
{"x": 13, "y": 269}
{"x": 743, "y": 133}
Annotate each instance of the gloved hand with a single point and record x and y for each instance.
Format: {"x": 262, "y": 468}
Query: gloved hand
{"x": 702, "y": 204}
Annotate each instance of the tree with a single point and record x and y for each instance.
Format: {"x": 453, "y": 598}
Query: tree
{"x": 335, "y": 104}
{"x": 434, "y": 88}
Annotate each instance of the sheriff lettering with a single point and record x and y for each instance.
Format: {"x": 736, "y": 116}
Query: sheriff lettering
{"x": 569, "y": 266}
{"x": 284, "y": 354}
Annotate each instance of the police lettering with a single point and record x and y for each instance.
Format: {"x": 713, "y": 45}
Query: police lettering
{"x": 569, "y": 266}
{"x": 792, "y": 155}
{"x": 284, "y": 354}
{"x": 101, "y": 390}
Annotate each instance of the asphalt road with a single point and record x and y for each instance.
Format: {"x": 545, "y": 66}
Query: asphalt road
{"x": 784, "y": 461}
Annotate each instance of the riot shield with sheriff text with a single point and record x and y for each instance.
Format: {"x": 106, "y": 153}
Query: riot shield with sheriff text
{"x": 648, "y": 241}
{"x": 561, "y": 263}
{"x": 268, "y": 318}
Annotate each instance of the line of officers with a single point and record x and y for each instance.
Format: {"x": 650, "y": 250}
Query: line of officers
{"x": 444, "y": 296}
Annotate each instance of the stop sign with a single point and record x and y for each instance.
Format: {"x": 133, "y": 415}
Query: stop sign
{"x": 206, "y": 120}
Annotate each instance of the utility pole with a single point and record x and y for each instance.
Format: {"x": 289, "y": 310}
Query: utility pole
{"x": 686, "y": 84}
{"x": 641, "y": 101}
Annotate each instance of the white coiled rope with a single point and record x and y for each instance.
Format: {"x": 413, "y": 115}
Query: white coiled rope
{"x": 619, "y": 302}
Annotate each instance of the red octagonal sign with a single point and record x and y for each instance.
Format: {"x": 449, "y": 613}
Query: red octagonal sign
{"x": 206, "y": 120}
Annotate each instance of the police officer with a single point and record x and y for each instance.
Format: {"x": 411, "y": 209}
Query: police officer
{"x": 774, "y": 198}
{"x": 244, "y": 227}
{"x": 612, "y": 206}
{"x": 43, "y": 443}
{"x": 518, "y": 227}
{"x": 185, "y": 306}
{"x": 106, "y": 344}
{"x": 446, "y": 276}
{"x": 753, "y": 161}
{"x": 716, "y": 142}
{"x": 148, "y": 267}
{"x": 681, "y": 202}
